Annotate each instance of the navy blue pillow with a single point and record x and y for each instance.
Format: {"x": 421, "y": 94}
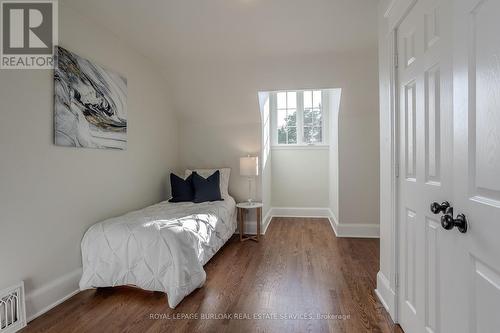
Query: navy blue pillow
{"x": 206, "y": 189}
{"x": 182, "y": 190}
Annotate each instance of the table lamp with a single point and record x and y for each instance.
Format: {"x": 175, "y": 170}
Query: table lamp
{"x": 249, "y": 167}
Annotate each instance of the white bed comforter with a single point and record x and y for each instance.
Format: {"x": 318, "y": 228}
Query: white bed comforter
{"x": 160, "y": 248}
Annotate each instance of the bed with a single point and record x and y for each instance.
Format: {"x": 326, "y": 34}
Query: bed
{"x": 159, "y": 248}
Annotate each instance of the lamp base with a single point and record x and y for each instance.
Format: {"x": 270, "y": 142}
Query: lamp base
{"x": 250, "y": 191}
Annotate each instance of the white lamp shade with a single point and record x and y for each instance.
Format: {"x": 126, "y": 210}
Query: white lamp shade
{"x": 249, "y": 166}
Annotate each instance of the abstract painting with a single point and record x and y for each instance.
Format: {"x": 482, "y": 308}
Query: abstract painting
{"x": 90, "y": 104}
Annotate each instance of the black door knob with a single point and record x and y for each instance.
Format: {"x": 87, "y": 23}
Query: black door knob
{"x": 448, "y": 222}
{"x": 437, "y": 208}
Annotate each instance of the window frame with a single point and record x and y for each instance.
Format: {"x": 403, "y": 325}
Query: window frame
{"x": 287, "y": 108}
{"x": 273, "y": 98}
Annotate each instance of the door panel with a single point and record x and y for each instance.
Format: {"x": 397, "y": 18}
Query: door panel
{"x": 431, "y": 26}
{"x": 410, "y": 251}
{"x": 411, "y": 131}
{"x": 486, "y": 298}
{"x": 432, "y": 126}
{"x": 432, "y": 275}
{"x": 484, "y": 112}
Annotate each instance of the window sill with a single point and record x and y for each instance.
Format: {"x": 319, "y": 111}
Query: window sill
{"x": 301, "y": 147}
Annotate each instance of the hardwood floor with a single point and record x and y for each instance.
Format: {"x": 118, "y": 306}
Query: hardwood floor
{"x": 297, "y": 272}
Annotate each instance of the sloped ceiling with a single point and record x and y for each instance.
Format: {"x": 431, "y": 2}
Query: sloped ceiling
{"x": 191, "y": 41}
{"x": 207, "y": 29}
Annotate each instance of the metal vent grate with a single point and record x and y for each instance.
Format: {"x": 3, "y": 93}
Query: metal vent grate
{"x": 12, "y": 309}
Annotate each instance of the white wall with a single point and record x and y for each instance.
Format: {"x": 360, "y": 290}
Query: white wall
{"x": 207, "y": 145}
{"x": 50, "y": 195}
{"x": 218, "y": 54}
{"x": 300, "y": 177}
{"x": 359, "y": 199}
{"x": 228, "y": 123}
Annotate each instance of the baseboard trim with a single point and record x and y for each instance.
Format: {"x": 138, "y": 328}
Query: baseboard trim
{"x": 45, "y": 298}
{"x": 353, "y": 230}
{"x": 386, "y": 295}
{"x": 348, "y": 230}
{"x": 334, "y": 223}
{"x": 267, "y": 220}
{"x": 300, "y": 212}
{"x": 251, "y": 227}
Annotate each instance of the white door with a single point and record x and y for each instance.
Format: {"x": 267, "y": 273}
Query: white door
{"x": 425, "y": 160}
{"x": 449, "y": 95}
{"x": 476, "y": 85}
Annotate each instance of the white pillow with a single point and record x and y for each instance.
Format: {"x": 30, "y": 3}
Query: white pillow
{"x": 224, "y": 178}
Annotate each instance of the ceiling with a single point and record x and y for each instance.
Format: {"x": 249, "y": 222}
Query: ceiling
{"x": 239, "y": 47}
{"x": 182, "y": 30}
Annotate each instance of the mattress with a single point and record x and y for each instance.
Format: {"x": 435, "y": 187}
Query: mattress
{"x": 159, "y": 248}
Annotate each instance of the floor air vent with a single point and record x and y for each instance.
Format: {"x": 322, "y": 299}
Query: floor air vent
{"x": 12, "y": 310}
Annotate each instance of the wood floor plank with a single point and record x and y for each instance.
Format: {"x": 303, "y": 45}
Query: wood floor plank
{"x": 299, "y": 278}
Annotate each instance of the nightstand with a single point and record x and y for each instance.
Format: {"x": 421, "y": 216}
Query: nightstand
{"x": 243, "y": 208}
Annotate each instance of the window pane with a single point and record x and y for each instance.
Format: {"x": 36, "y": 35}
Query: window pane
{"x": 292, "y": 118}
{"x": 307, "y": 134}
{"x": 292, "y": 99}
{"x": 317, "y": 99}
{"x": 292, "y": 135}
{"x": 308, "y": 99}
{"x": 282, "y": 119}
{"x": 316, "y": 135}
{"x": 281, "y": 100}
{"x": 308, "y": 117}
{"x": 281, "y": 135}
{"x": 317, "y": 116}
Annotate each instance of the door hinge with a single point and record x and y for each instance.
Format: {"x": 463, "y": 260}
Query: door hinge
{"x": 396, "y": 170}
{"x": 396, "y": 60}
{"x": 396, "y": 278}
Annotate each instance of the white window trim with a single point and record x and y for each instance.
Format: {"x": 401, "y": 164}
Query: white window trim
{"x": 300, "y": 147}
{"x": 300, "y": 121}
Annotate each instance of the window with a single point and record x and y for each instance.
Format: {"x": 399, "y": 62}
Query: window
{"x": 287, "y": 117}
{"x": 313, "y": 117}
{"x": 299, "y": 117}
